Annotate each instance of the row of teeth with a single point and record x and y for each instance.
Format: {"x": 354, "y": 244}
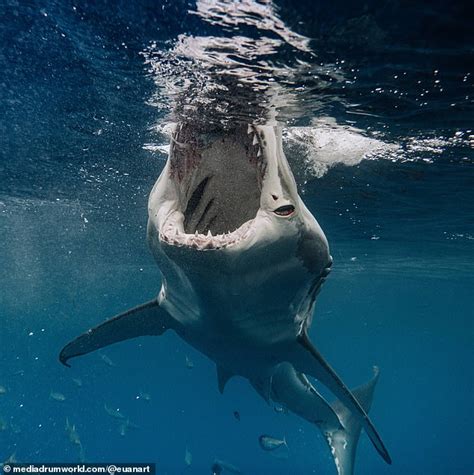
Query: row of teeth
{"x": 202, "y": 241}
{"x": 261, "y": 164}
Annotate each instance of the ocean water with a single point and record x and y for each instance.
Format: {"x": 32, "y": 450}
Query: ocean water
{"x": 376, "y": 104}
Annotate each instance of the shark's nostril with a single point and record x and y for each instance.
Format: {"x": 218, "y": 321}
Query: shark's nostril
{"x": 275, "y": 197}
{"x": 285, "y": 210}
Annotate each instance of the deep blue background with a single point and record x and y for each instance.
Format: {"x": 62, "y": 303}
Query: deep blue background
{"x": 74, "y": 180}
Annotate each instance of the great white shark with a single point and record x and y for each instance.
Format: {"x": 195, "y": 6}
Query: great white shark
{"x": 242, "y": 261}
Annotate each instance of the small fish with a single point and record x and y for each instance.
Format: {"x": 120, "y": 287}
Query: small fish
{"x": 269, "y": 443}
{"x": 57, "y": 396}
{"x": 115, "y": 413}
{"x": 189, "y": 363}
{"x": 77, "y": 382}
{"x": 106, "y": 360}
{"x": 11, "y": 459}
{"x": 219, "y": 467}
{"x": 280, "y": 409}
{"x": 3, "y": 390}
{"x": 237, "y": 415}
{"x": 188, "y": 457}
{"x": 144, "y": 396}
{"x": 74, "y": 438}
{"x": 72, "y": 433}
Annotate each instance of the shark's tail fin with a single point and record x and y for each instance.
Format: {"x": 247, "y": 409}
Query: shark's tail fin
{"x": 343, "y": 441}
{"x": 340, "y": 426}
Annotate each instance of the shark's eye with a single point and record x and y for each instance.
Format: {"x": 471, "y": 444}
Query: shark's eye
{"x": 285, "y": 210}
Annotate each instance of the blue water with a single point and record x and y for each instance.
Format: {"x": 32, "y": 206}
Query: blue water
{"x": 84, "y": 91}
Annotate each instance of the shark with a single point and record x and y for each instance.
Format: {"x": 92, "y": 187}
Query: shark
{"x": 242, "y": 261}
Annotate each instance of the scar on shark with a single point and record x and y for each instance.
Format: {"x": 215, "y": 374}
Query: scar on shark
{"x": 242, "y": 262}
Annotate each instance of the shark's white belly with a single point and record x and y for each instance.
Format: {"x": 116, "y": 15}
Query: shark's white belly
{"x": 253, "y": 309}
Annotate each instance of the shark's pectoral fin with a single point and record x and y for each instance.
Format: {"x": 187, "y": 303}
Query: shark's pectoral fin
{"x": 146, "y": 319}
{"x": 223, "y": 377}
{"x": 307, "y": 359}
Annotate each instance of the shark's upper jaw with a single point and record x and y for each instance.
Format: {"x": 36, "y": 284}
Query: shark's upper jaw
{"x": 218, "y": 180}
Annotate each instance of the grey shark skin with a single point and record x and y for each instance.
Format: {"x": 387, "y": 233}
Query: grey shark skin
{"x": 340, "y": 427}
{"x": 242, "y": 260}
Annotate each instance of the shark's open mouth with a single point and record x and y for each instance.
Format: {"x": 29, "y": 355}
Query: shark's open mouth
{"x": 219, "y": 180}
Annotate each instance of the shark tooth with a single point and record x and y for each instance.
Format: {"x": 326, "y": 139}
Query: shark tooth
{"x": 249, "y": 129}
{"x": 255, "y": 140}
{"x": 259, "y": 153}
{"x": 208, "y": 245}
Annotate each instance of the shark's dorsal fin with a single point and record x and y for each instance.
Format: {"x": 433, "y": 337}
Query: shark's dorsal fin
{"x": 146, "y": 319}
{"x": 307, "y": 359}
{"x": 223, "y": 376}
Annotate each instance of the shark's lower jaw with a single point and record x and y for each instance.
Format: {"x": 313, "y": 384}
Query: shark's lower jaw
{"x": 218, "y": 178}
{"x": 174, "y": 235}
